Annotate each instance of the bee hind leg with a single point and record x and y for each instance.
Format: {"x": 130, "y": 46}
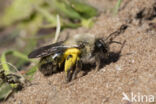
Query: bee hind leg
{"x": 69, "y": 67}
{"x": 69, "y": 75}
{"x": 77, "y": 69}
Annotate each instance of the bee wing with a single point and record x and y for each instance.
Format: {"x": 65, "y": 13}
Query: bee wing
{"x": 47, "y": 50}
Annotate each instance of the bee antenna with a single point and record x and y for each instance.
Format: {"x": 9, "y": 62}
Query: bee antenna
{"x": 116, "y": 33}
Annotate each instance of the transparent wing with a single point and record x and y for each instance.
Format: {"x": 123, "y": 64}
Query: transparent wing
{"x": 48, "y": 50}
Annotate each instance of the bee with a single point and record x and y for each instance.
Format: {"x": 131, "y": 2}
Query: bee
{"x": 72, "y": 53}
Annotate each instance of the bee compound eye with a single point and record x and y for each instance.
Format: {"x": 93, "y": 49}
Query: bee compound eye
{"x": 98, "y": 44}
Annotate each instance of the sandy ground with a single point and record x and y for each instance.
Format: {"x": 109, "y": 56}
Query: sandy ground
{"x": 134, "y": 72}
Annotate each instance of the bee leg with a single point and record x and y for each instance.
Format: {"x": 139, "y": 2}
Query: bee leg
{"x": 77, "y": 69}
{"x": 98, "y": 62}
{"x": 70, "y": 63}
{"x": 69, "y": 66}
{"x": 69, "y": 75}
{"x": 122, "y": 45}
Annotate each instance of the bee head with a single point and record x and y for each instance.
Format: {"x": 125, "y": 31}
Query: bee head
{"x": 100, "y": 45}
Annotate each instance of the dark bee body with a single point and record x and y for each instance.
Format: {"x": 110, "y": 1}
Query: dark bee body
{"x": 48, "y": 65}
{"x": 71, "y": 54}
{"x": 50, "y": 57}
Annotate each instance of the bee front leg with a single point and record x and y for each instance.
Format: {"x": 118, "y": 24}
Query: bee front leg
{"x": 98, "y": 63}
{"x": 122, "y": 45}
{"x": 77, "y": 69}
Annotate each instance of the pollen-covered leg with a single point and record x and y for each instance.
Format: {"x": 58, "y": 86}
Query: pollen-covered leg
{"x": 69, "y": 66}
{"x": 69, "y": 75}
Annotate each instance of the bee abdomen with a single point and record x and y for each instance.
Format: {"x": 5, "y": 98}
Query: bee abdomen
{"x": 48, "y": 68}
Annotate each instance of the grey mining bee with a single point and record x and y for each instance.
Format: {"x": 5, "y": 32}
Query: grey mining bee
{"x": 72, "y": 53}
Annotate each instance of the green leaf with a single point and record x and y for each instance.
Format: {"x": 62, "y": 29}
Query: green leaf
{"x": 19, "y": 9}
{"x": 87, "y": 22}
{"x": 14, "y": 53}
{"x": 32, "y": 71}
{"x": 5, "y": 90}
{"x": 85, "y": 10}
{"x": 63, "y": 8}
{"x": 32, "y": 25}
{"x": 5, "y": 67}
{"x": 50, "y": 17}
